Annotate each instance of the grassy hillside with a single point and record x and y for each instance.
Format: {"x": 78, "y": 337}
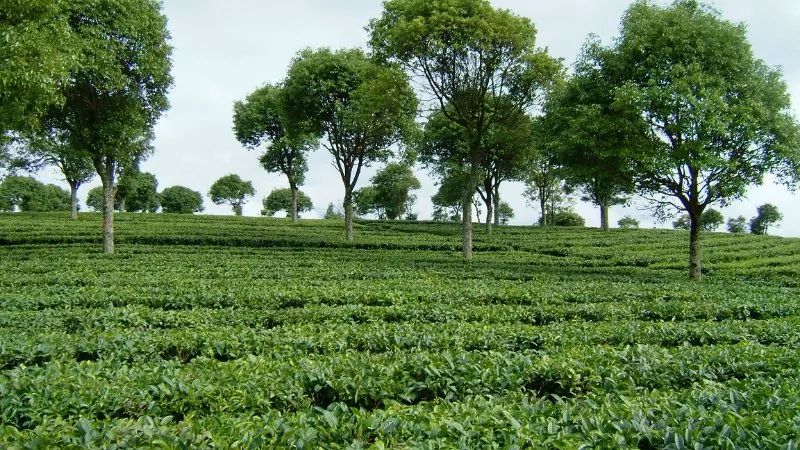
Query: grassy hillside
{"x": 225, "y": 331}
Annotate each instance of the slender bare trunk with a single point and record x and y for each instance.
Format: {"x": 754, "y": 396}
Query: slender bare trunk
{"x": 496, "y": 200}
{"x": 466, "y": 223}
{"x": 543, "y": 205}
{"x": 108, "y": 211}
{"x": 348, "y": 214}
{"x": 489, "y": 209}
{"x": 73, "y": 198}
{"x": 695, "y": 265}
{"x": 294, "y": 204}
{"x": 604, "y": 216}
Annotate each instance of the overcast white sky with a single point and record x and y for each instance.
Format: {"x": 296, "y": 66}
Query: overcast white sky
{"x": 225, "y": 49}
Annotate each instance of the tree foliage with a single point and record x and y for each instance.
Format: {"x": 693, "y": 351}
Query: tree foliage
{"x": 262, "y": 119}
{"x": 231, "y": 189}
{"x": 138, "y": 192}
{"x": 506, "y": 213}
{"x": 737, "y": 224}
{"x": 393, "y": 185}
{"x": 479, "y": 64}
{"x": 37, "y": 55}
{"x": 282, "y": 200}
{"x": 592, "y": 136}
{"x": 361, "y": 108}
{"x": 628, "y": 223}
{"x": 719, "y": 118}
{"x": 767, "y": 215}
{"x": 52, "y": 146}
{"x": 564, "y": 217}
{"x": 331, "y": 213}
{"x": 181, "y": 200}
{"x": 30, "y": 195}
{"x": 710, "y": 220}
{"x": 117, "y": 87}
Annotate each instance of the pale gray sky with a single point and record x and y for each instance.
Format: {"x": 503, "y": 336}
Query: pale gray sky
{"x": 226, "y": 49}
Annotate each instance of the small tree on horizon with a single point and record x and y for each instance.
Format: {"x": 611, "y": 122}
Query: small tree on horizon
{"x": 737, "y": 224}
{"x": 231, "y": 189}
{"x": 180, "y": 200}
{"x": 767, "y": 215}
{"x": 286, "y": 200}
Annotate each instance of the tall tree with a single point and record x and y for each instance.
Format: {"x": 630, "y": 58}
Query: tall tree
{"x": 365, "y": 202}
{"x": 52, "y": 147}
{"x": 118, "y": 89}
{"x": 231, "y": 189}
{"x": 720, "y": 118}
{"x": 468, "y": 55}
{"x": 447, "y": 200}
{"x": 262, "y": 119}
{"x": 444, "y": 149}
{"x": 544, "y": 176}
{"x": 361, "y": 108}
{"x": 593, "y": 136}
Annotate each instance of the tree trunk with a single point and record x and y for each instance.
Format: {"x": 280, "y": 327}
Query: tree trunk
{"x": 489, "y": 210}
{"x": 496, "y": 200}
{"x": 73, "y": 198}
{"x": 237, "y": 209}
{"x": 121, "y": 204}
{"x": 348, "y": 214}
{"x": 294, "y": 204}
{"x": 466, "y": 223}
{"x": 695, "y": 267}
{"x": 543, "y": 205}
{"x": 604, "y": 216}
{"x": 108, "y": 212}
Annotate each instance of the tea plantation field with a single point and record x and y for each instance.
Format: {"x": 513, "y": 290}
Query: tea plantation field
{"x": 248, "y": 332}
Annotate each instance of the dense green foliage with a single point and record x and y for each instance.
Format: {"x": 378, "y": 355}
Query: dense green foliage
{"x": 263, "y": 119}
{"x": 766, "y": 216}
{"x": 29, "y": 195}
{"x": 628, "y": 222}
{"x": 389, "y": 196}
{"x": 479, "y": 67}
{"x": 138, "y": 192}
{"x": 284, "y": 200}
{"x": 181, "y": 200}
{"x": 710, "y": 220}
{"x": 231, "y": 189}
{"x": 36, "y": 55}
{"x": 248, "y": 331}
{"x": 361, "y": 108}
{"x": 736, "y": 224}
{"x": 718, "y": 117}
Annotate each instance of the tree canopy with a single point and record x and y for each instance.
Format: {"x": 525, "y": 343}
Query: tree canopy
{"x": 181, "y": 200}
{"x": 361, "y": 108}
{"x": 479, "y": 64}
{"x": 263, "y": 119}
{"x": 29, "y": 195}
{"x": 766, "y": 216}
{"x": 117, "y": 87}
{"x": 718, "y": 118}
{"x": 231, "y": 189}
{"x": 285, "y": 200}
